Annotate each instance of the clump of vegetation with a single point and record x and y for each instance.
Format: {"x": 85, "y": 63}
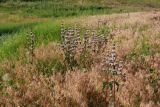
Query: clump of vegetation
{"x": 80, "y": 48}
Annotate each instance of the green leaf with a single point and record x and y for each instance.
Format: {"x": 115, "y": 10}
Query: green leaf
{"x": 110, "y": 85}
{"x": 104, "y": 84}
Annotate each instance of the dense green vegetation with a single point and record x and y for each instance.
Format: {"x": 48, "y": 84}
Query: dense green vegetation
{"x": 53, "y": 8}
{"x": 15, "y": 38}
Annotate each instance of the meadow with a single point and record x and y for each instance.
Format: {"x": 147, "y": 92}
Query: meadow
{"x": 83, "y": 53}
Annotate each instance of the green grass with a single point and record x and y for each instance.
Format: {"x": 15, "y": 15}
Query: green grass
{"x": 54, "y": 8}
{"x": 9, "y": 47}
{"x": 9, "y": 28}
{"x": 45, "y": 32}
{"x": 50, "y": 9}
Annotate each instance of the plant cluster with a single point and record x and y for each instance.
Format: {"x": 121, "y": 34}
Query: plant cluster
{"x": 88, "y": 46}
{"x": 81, "y": 47}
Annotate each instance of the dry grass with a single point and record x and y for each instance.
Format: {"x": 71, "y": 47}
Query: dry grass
{"x": 12, "y": 18}
{"x": 138, "y": 41}
{"x": 29, "y": 88}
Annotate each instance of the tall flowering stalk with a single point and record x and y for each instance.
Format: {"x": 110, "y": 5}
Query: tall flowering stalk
{"x": 113, "y": 68}
{"x": 31, "y": 46}
{"x": 62, "y": 36}
{"x": 69, "y": 44}
{"x": 94, "y": 41}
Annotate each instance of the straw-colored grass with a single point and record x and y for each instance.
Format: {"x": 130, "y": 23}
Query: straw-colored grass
{"x": 39, "y": 84}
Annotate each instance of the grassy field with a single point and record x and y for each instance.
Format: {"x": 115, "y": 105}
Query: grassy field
{"x": 54, "y": 72}
{"x": 18, "y": 17}
{"x": 76, "y": 8}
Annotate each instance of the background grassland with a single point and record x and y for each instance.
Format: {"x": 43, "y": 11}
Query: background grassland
{"x": 137, "y": 40}
{"x": 53, "y": 8}
{"x": 43, "y": 18}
